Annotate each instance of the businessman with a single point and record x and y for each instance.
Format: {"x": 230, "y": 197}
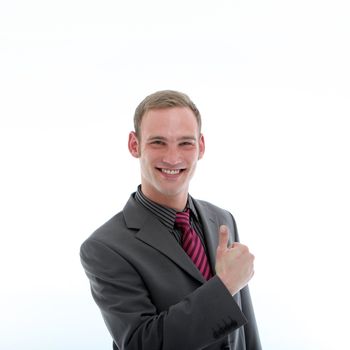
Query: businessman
{"x": 167, "y": 272}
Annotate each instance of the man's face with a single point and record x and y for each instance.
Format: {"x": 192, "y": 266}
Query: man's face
{"x": 168, "y": 148}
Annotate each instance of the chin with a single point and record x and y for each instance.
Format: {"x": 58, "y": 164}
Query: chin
{"x": 172, "y": 191}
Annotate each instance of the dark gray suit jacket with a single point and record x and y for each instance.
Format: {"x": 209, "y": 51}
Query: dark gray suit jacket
{"x": 152, "y": 296}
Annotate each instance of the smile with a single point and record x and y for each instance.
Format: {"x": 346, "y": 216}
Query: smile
{"x": 171, "y": 171}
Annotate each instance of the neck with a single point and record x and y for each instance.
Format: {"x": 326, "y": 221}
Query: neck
{"x": 177, "y": 202}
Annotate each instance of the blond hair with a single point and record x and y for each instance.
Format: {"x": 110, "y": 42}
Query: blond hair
{"x": 164, "y": 99}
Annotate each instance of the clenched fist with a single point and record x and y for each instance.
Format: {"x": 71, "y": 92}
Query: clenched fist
{"x": 234, "y": 264}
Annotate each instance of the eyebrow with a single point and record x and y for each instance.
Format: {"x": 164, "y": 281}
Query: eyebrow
{"x": 162, "y": 138}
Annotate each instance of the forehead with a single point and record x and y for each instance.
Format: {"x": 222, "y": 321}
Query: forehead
{"x": 169, "y": 120}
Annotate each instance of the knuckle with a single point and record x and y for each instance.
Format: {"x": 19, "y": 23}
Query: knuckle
{"x": 245, "y": 248}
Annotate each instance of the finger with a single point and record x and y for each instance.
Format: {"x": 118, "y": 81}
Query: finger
{"x": 223, "y": 237}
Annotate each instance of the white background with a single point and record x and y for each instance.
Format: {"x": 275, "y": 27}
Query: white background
{"x": 271, "y": 79}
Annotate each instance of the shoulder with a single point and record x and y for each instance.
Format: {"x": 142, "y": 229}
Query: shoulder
{"x": 107, "y": 232}
{"x": 210, "y": 207}
{"x": 105, "y": 248}
{"x": 120, "y": 225}
{"x": 110, "y": 227}
{"x": 118, "y": 233}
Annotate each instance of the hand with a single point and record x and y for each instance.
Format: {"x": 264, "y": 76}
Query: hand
{"x": 234, "y": 264}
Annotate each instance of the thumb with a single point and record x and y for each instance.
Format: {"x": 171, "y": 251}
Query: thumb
{"x": 223, "y": 237}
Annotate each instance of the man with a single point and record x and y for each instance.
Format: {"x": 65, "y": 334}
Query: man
{"x": 165, "y": 272}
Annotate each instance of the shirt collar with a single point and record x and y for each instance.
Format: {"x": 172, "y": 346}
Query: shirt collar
{"x": 165, "y": 214}
{"x": 190, "y": 205}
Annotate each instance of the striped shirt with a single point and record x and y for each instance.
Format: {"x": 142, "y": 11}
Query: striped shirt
{"x": 167, "y": 216}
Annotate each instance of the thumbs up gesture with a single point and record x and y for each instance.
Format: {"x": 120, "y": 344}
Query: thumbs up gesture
{"x": 234, "y": 263}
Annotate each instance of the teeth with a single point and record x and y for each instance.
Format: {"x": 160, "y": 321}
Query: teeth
{"x": 170, "y": 172}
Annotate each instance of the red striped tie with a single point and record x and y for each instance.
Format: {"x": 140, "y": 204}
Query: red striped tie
{"x": 192, "y": 244}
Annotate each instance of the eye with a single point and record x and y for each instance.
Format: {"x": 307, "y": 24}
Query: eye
{"x": 157, "y": 143}
{"x": 187, "y": 143}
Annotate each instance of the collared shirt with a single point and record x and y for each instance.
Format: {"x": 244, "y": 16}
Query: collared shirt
{"x": 167, "y": 215}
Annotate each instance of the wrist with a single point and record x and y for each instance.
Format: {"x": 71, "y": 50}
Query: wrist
{"x": 228, "y": 283}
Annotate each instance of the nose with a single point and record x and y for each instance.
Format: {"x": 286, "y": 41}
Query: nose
{"x": 172, "y": 156}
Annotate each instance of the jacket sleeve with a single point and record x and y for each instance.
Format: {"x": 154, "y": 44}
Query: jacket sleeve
{"x": 203, "y": 317}
{"x": 251, "y": 332}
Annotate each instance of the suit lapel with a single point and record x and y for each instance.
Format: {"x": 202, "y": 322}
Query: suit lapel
{"x": 155, "y": 234}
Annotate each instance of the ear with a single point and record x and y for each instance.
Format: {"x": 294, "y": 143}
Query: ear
{"x": 201, "y": 146}
{"x": 133, "y": 144}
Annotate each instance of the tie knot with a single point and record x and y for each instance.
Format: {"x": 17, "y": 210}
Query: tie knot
{"x": 183, "y": 219}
